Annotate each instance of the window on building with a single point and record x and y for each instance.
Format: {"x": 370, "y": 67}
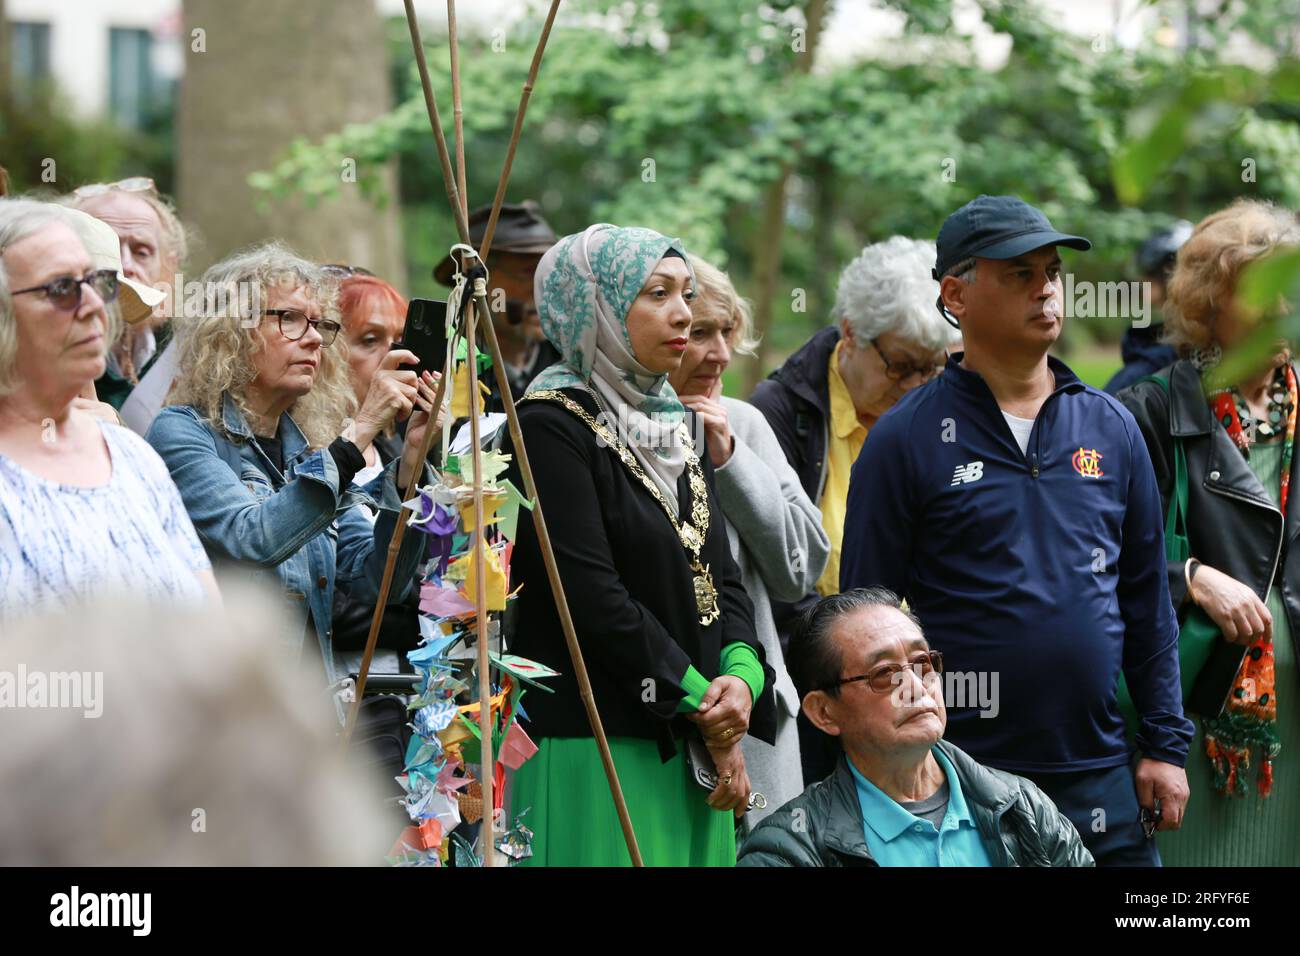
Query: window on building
{"x": 29, "y": 50}
{"x": 133, "y": 87}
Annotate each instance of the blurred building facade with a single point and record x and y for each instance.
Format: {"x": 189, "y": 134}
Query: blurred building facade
{"x": 261, "y": 75}
{"x": 120, "y": 58}
{"x": 115, "y": 56}
{"x": 123, "y": 58}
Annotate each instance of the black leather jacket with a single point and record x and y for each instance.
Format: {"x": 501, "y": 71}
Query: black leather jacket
{"x": 1234, "y": 525}
{"x": 1019, "y": 824}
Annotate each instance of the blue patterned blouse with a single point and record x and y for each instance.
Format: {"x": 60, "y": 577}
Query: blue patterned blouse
{"x": 60, "y": 543}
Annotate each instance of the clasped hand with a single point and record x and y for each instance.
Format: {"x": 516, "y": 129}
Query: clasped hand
{"x": 723, "y": 719}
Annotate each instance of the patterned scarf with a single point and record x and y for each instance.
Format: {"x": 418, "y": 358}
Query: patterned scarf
{"x": 585, "y": 285}
{"x": 1249, "y": 718}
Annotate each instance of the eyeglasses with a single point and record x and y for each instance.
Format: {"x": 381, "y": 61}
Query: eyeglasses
{"x": 135, "y": 184}
{"x": 901, "y": 371}
{"x": 882, "y": 679}
{"x": 65, "y": 291}
{"x": 293, "y": 326}
{"x": 336, "y": 271}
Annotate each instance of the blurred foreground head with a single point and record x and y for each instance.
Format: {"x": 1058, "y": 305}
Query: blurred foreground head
{"x": 206, "y": 749}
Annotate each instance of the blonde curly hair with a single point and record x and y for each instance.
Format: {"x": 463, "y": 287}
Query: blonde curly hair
{"x": 1210, "y": 262}
{"x": 217, "y": 348}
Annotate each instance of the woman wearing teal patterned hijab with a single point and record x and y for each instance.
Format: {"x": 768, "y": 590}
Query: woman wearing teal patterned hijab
{"x": 655, "y": 596}
{"x": 587, "y": 287}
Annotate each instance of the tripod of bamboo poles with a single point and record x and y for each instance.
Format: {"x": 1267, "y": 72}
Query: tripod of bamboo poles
{"x": 480, "y": 315}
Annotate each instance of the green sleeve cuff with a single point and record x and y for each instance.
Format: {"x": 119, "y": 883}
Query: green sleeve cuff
{"x": 739, "y": 660}
{"x": 695, "y": 684}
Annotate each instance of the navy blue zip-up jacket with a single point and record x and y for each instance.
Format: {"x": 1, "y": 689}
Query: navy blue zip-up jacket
{"x": 1144, "y": 354}
{"x": 1046, "y": 569}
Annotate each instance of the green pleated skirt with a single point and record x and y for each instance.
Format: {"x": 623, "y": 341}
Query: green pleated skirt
{"x": 574, "y": 822}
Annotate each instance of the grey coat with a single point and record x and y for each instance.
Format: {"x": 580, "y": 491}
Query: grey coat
{"x": 777, "y": 539}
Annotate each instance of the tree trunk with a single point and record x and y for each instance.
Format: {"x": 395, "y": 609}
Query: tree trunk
{"x": 272, "y": 72}
{"x": 820, "y": 296}
{"x": 767, "y": 248}
{"x": 767, "y": 268}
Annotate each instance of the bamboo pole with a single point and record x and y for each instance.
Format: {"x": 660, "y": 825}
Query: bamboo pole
{"x": 515, "y": 133}
{"x": 487, "y": 775}
{"x": 395, "y": 543}
{"x": 458, "y": 113}
{"x": 503, "y": 384}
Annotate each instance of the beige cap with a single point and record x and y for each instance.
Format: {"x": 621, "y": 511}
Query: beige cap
{"x": 135, "y": 299}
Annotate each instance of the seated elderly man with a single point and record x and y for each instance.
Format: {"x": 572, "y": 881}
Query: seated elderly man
{"x": 900, "y": 795}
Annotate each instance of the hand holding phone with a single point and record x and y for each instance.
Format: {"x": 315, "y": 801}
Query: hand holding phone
{"x": 390, "y": 398}
{"x": 425, "y": 334}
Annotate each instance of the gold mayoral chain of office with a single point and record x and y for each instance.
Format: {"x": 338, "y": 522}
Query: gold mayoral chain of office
{"x": 691, "y": 533}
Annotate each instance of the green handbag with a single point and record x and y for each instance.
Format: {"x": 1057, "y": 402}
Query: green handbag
{"x": 1197, "y": 634}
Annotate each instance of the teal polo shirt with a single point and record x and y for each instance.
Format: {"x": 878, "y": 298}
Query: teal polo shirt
{"x": 899, "y": 838}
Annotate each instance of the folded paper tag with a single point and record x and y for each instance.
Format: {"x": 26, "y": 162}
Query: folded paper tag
{"x": 494, "y": 579}
{"x": 487, "y": 426}
{"x": 491, "y": 503}
{"x": 508, "y": 512}
{"x": 516, "y": 748}
{"x": 443, "y": 602}
{"x": 460, "y": 393}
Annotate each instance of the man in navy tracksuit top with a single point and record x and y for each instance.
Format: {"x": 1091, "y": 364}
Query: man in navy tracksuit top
{"x": 1017, "y": 511}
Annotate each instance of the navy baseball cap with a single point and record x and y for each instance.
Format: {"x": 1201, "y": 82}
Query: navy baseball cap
{"x": 997, "y": 227}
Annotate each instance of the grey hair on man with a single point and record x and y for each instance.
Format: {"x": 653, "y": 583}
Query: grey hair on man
{"x": 812, "y": 658}
{"x": 964, "y": 270}
{"x": 888, "y": 288}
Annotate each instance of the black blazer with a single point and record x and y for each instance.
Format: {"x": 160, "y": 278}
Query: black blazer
{"x": 1234, "y": 525}
{"x": 629, "y": 587}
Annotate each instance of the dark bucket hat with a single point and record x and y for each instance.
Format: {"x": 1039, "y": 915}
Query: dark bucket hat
{"x": 520, "y": 230}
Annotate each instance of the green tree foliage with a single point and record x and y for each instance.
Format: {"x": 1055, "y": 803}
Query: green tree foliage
{"x": 1209, "y": 98}
{"x": 677, "y": 114}
{"x": 47, "y": 149}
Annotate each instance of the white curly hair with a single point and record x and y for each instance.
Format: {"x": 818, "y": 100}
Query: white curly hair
{"x": 888, "y": 288}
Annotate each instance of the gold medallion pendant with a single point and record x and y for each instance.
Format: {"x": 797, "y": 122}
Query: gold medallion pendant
{"x": 706, "y": 596}
{"x": 690, "y": 537}
{"x": 693, "y": 533}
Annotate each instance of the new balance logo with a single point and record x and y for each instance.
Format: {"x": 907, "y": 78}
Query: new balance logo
{"x": 965, "y": 474}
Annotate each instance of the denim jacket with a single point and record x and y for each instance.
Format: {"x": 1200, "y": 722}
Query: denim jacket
{"x": 300, "y": 527}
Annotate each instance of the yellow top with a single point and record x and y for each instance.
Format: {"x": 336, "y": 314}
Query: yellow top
{"x": 845, "y": 441}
